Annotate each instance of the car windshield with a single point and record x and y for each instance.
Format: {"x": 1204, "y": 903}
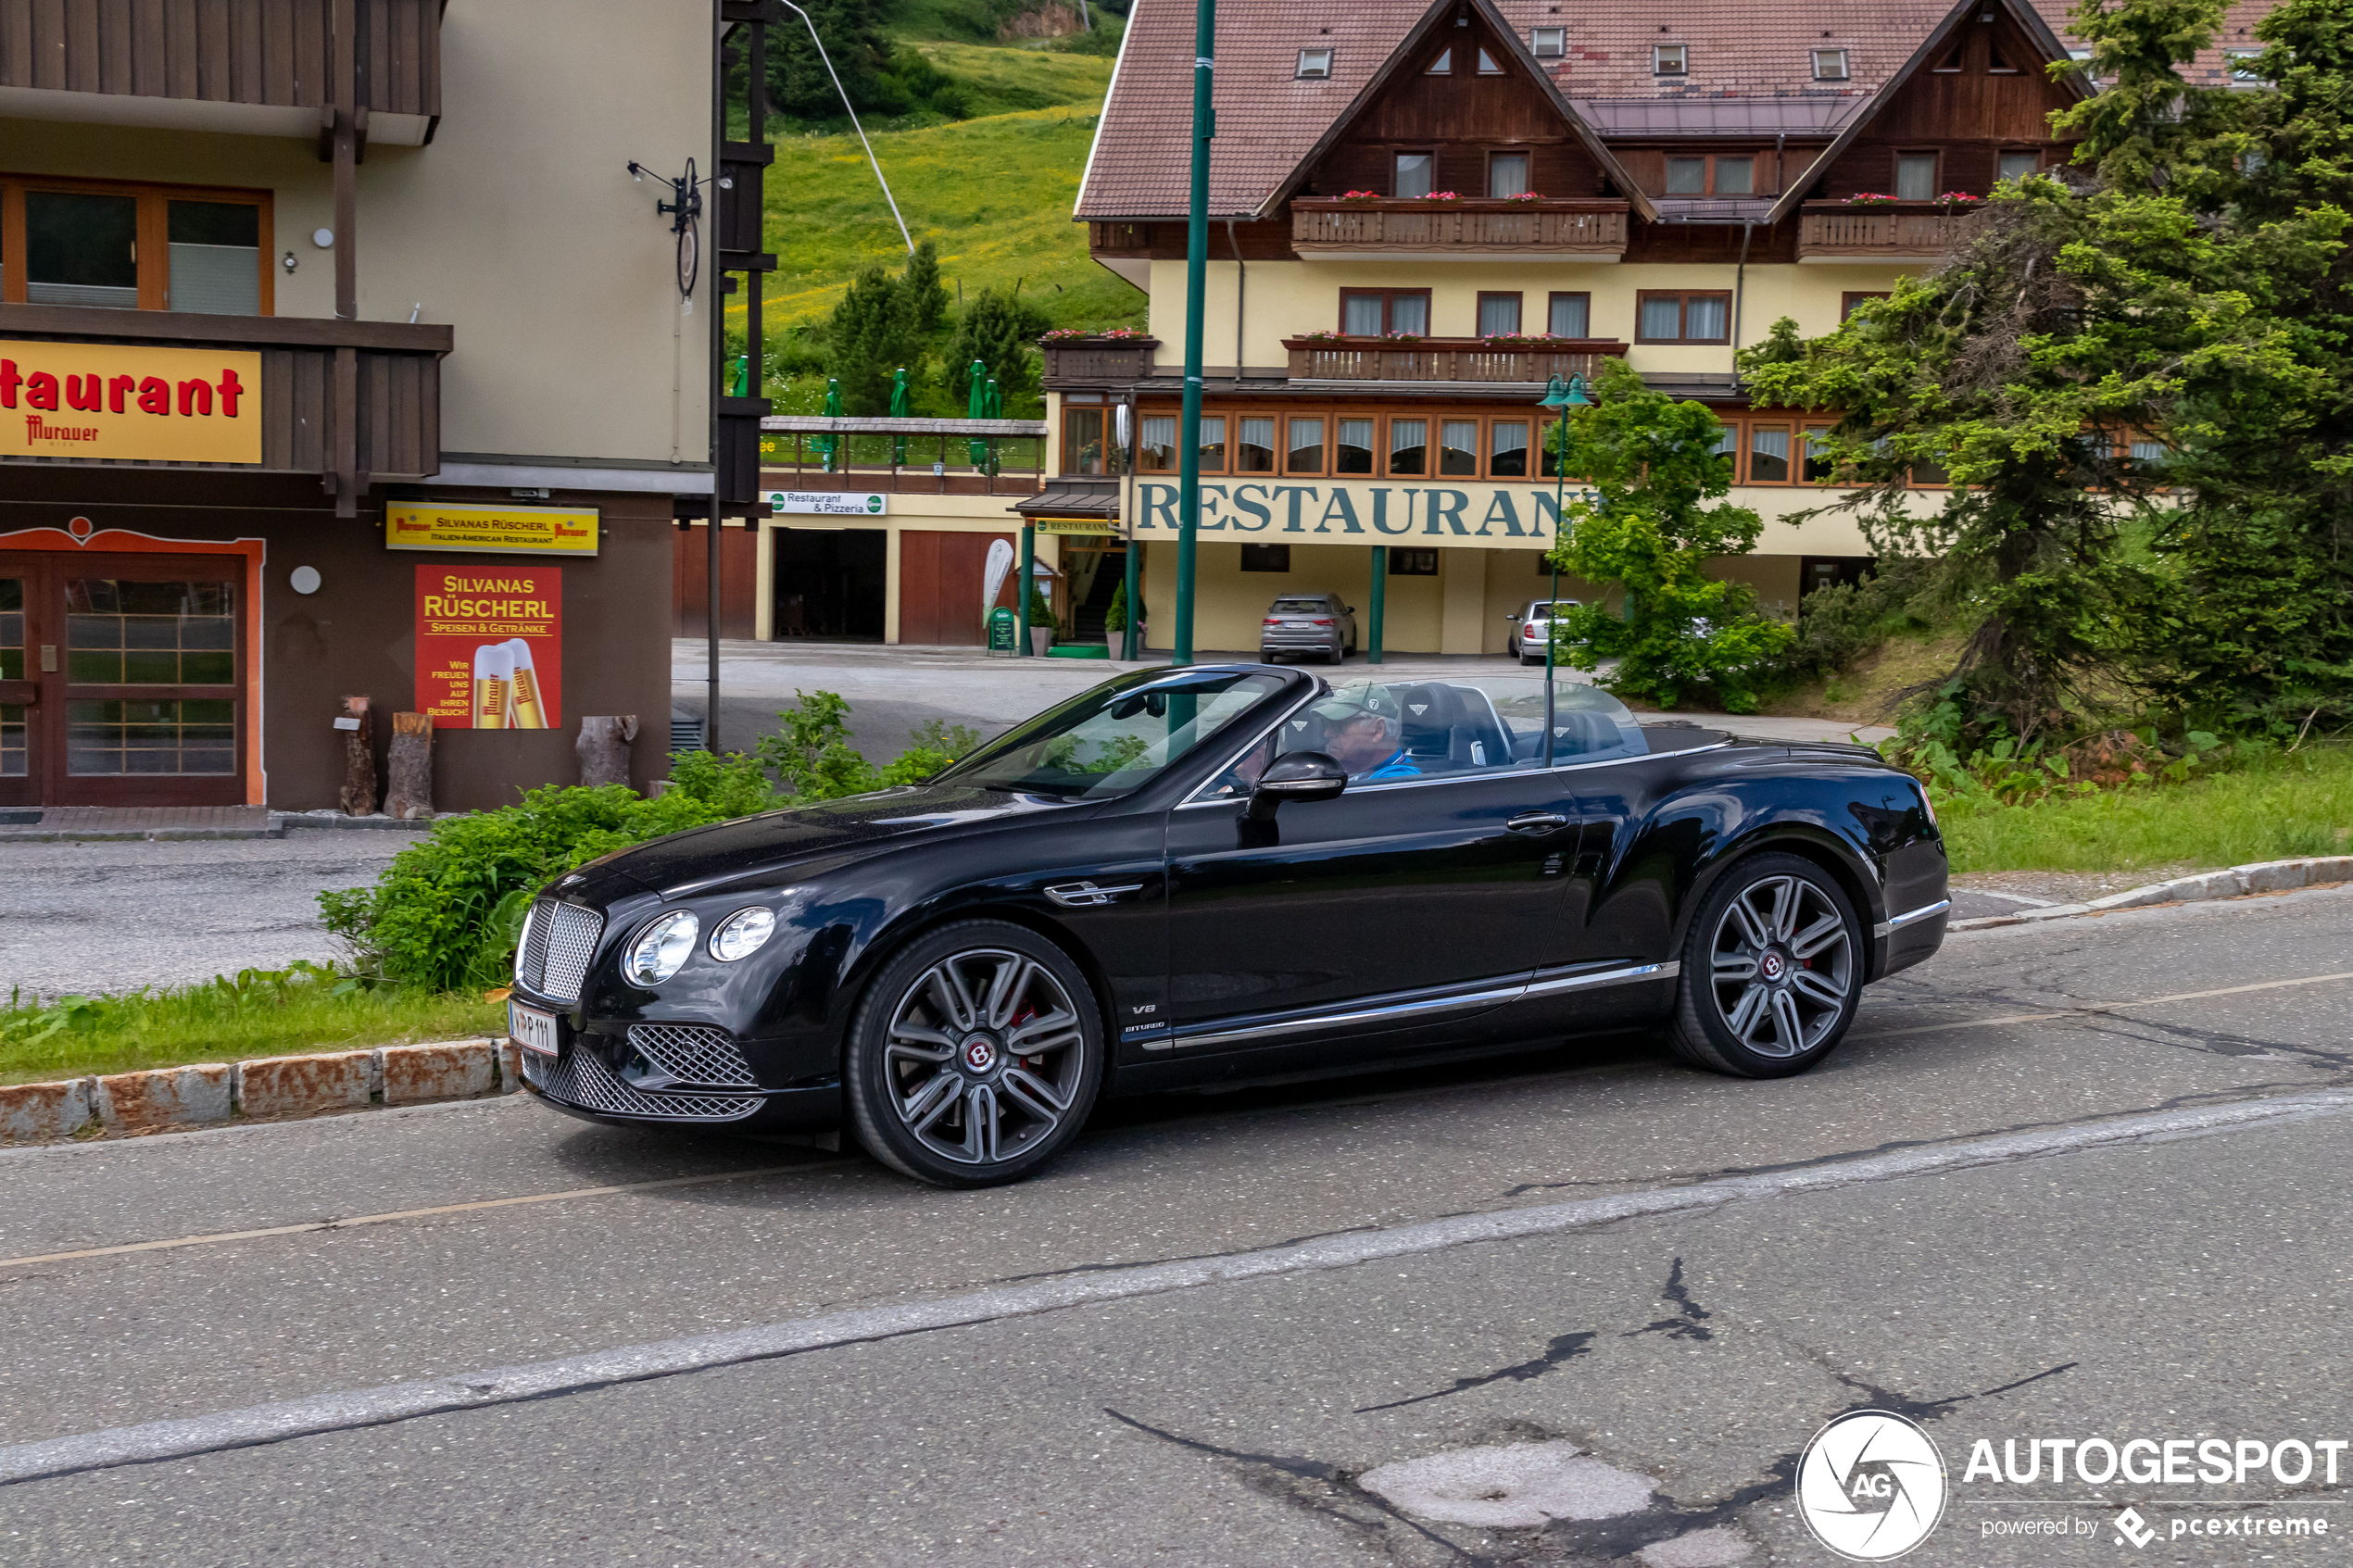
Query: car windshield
{"x": 1383, "y": 731}
{"x": 1117, "y": 737}
{"x": 1299, "y": 606}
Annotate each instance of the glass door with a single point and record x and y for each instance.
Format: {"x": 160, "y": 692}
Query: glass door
{"x": 18, "y": 693}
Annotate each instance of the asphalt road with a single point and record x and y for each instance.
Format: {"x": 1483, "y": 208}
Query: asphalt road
{"x": 1680, "y": 1275}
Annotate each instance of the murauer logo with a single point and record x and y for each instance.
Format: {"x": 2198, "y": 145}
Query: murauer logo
{"x": 1870, "y": 1485}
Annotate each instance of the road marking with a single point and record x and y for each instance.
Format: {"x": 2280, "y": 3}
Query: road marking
{"x": 636, "y": 1363}
{"x": 2094, "y": 1009}
{"x": 212, "y": 1237}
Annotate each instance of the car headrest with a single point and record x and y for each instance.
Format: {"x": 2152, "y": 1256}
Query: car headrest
{"x": 1429, "y": 708}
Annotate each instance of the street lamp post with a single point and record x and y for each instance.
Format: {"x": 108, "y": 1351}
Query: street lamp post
{"x": 1560, "y": 396}
{"x": 1196, "y": 280}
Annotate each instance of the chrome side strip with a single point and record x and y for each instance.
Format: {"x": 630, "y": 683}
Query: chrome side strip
{"x": 1897, "y": 923}
{"x": 1389, "y": 1012}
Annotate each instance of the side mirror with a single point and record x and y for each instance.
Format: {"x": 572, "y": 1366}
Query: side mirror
{"x": 1513, "y": 615}
{"x": 1303, "y": 776}
{"x": 1349, "y": 609}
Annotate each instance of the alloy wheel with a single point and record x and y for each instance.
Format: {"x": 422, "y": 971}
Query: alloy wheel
{"x": 983, "y": 1056}
{"x": 1781, "y": 966}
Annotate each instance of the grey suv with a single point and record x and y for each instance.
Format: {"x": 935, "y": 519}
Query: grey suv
{"x": 1316, "y": 624}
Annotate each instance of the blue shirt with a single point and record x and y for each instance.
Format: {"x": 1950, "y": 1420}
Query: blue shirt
{"x": 1398, "y": 766}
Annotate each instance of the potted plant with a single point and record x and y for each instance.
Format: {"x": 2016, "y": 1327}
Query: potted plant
{"x": 1870, "y": 199}
{"x": 1115, "y": 621}
{"x": 1041, "y": 622}
{"x": 1443, "y": 197}
{"x": 1360, "y": 196}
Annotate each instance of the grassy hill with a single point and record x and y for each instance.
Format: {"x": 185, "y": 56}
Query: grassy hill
{"x": 993, "y": 191}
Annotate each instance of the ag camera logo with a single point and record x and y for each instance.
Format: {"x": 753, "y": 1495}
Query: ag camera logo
{"x": 1870, "y": 1485}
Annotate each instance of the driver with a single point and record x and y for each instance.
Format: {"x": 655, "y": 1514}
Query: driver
{"x": 1362, "y": 726}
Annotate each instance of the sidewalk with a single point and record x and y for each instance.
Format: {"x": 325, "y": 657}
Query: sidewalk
{"x": 52, "y": 824}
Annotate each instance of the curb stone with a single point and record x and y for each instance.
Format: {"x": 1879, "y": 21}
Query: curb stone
{"x": 214, "y": 1094}
{"x": 2237, "y": 882}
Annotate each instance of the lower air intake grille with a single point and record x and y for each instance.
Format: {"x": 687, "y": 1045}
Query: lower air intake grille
{"x": 696, "y": 1053}
{"x": 558, "y": 943}
{"x": 581, "y": 1079}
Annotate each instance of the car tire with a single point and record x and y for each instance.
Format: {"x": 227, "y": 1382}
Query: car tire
{"x": 1772, "y": 969}
{"x": 934, "y": 1071}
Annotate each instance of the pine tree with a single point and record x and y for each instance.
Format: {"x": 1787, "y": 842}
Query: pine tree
{"x": 925, "y": 293}
{"x": 871, "y": 334}
{"x": 1002, "y": 332}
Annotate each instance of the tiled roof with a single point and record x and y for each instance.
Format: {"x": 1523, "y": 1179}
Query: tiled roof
{"x": 1753, "y": 65}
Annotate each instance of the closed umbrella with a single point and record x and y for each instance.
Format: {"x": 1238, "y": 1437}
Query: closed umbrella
{"x": 898, "y": 411}
{"x": 977, "y": 408}
{"x": 830, "y": 444}
{"x": 996, "y": 408}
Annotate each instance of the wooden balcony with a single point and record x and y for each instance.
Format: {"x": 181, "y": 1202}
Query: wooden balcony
{"x": 393, "y": 390}
{"x": 1446, "y": 359}
{"x": 1098, "y": 361}
{"x": 1482, "y": 227}
{"x": 1899, "y": 231}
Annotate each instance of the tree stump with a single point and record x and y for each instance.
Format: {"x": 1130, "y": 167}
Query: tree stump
{"x": 358, "y": 798}
{"x": 409, "y": 798}
{"x": 604, "y": 748}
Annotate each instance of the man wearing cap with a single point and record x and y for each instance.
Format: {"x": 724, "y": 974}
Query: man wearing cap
{"x": 1362, "y": 726}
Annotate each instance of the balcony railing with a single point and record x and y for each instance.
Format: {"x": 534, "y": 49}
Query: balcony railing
{"x": 903, "y": 456}
{"x": 1324, "y": 225}
{"x": 1099, "y": 361}
{"x": 1446, "y": 359}
{"x": 1889, "y": 233}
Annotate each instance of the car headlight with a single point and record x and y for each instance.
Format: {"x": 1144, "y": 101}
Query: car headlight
{"x": 661, "y": 948}
{"x": 742, "y": 934}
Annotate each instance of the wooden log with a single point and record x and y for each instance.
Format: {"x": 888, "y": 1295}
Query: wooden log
{"x": 604, "y": 748}
{"x": 409, "y": 797}
{"x": 359, "y": 796}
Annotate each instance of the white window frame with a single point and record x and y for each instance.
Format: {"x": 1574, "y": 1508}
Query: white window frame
{"x": 1837, "y": 59}
{"x": 1548, "y": 43}
{"x": 1681, "y": 54}
{"x": 1314, "y": 65}
{"x": 2240, "y": 63}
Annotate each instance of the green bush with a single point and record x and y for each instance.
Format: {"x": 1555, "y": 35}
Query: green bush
{"x": 447, "y": 912}
{"x": 1841, "y": 625}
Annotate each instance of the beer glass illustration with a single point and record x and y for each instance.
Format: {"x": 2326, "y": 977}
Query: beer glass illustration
{"x": 529, "y": 714}
{"x": 494, "y": 685}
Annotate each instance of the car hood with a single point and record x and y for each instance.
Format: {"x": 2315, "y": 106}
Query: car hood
{"x": 785, "y": 846}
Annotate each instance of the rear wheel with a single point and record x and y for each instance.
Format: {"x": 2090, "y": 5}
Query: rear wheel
{"x": 1772, "y": 970}
{"x": 974, "y": 1056}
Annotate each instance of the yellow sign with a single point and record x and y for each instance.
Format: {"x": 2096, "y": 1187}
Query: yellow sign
{"x": 130, "y": 401}
{"x": 1072, "y": 525}
{"x": 530, "y": 531}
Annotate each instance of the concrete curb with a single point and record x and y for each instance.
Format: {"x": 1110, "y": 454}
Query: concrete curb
{"x": 2237, "y": 882}
{"x": 265, "y": 1089}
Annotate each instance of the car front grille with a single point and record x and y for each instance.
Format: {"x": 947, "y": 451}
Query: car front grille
{"x": 558, "y": 943}
{"x": 696, "y": 1053}
{"x": 579, "y": 1078}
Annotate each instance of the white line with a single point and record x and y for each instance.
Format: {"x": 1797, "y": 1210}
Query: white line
{"x": 2010, "y": 898}
{"x": 631, "y": 1363}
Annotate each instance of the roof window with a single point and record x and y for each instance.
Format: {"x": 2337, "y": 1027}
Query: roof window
{"x": 2243, "y": 64}
{"x": 1487, "y": 66}
{"x": 1314, "y": 65}
{"x": 1830, "y": 64}
{"x": 1548, "y": 43}
{"x": 1443, "y": 64}
{"x": 1670, "y": 59}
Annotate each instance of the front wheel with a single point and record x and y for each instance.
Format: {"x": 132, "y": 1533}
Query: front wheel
{"x": 1772, "y": 970}
{"x": 974, "y": 1056}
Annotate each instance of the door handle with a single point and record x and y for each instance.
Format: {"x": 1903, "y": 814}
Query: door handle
{"x": 1537, "y": 822}
{"x": 48, "y": 659}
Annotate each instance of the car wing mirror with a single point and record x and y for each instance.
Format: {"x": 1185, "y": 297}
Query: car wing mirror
{"x": 1300, "y": 777}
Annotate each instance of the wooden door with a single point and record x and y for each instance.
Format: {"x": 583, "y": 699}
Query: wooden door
{"x": 940, "y": 577}
{"x": 128, "y": 679}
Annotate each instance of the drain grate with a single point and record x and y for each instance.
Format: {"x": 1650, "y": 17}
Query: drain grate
{"x": 20, "y": 819}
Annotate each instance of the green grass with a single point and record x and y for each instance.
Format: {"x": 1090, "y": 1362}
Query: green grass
{"x": 994, "y": 194}
{"x": 1006, "y": 80}
{"x": 271, "y": 1013}
{"x": 2279, "y": 805}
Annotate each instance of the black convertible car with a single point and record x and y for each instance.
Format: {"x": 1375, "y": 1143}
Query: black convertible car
{"x": 1188, "y": 876}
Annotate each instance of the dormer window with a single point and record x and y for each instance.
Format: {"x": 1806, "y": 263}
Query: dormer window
{"x": 1487, "y": 66}
{"x": 2242, "y": 64}
{"x": 1830, "y": 64}
{"x": 1314, "y": 65}
{"x": 1670, "y": 59}
{"x": 1548, "y": 43}
{"x": 1443, "y": 64}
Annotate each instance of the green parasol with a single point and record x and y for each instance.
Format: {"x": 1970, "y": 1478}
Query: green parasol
{"x": 829, "y": 444}
{"x": 977, "y": 408}
{"x": 898, "y": 411}
{"x": 996, "y": 410}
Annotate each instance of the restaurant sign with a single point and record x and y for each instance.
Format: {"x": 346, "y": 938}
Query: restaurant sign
{"x": 1073, "y": 525}
{"x": 1480, "y": 516}
{"x": 528, "y": 530}
{"x": 490, "y": 647}
{"x": 827, "y": 502}
{"x": 129, "y": 402}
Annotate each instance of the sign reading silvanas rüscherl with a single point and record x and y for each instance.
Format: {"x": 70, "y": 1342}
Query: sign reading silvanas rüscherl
{"x": 129, "y": 402}
{"x": 490, "y": 647}
{"x": 1389, "y": 512}
{"x": 527, "y": 530}
{"x": 828, "y": 503}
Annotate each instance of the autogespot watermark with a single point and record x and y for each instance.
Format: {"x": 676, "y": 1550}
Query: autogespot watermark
{"x": 1871, "y": 1486}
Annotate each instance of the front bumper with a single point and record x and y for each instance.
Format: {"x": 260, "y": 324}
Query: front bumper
{"x": 676, "y": 1072}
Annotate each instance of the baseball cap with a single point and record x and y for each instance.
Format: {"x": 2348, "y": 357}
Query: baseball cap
{"x": 1358, "y": 699}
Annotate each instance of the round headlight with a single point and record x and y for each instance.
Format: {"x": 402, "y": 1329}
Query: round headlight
{"x": 655, "y": 956}
{"x": 742, "y": 934}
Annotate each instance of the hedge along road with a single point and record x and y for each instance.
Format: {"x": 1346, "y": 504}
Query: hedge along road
{"x": 110, "y": 1341}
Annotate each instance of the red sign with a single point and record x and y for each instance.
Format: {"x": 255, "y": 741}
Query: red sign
{"x": 490, "y": 647}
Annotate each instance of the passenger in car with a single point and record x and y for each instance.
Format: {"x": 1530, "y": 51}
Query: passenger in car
{"x": 1362, "y": 730}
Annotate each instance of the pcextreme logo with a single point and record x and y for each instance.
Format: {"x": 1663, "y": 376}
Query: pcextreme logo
{"x": 1870, "y": 1485}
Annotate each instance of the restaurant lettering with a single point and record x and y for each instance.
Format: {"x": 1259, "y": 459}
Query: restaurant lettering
{"x": 134, "y": 402}
{"x": 1422, "y": 514}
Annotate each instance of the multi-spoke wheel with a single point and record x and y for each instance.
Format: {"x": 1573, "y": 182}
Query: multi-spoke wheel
{"x": 974, "y": 1056}
{"x": 1771, "y": 969}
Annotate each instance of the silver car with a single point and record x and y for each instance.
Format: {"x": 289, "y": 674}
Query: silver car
{"x": 1316, "y": 624}
{"x": 1532, "y": 628}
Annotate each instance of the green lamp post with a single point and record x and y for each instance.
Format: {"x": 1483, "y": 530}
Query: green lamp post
{"x": 1560, "y": 396}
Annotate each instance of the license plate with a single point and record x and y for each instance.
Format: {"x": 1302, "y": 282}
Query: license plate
{"x": 531, "y": 1029}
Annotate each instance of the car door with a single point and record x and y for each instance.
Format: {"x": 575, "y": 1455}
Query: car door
{"x": 1401, "y": 903}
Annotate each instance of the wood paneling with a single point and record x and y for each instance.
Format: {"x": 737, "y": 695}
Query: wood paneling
{"x": 940, "y": 578}
{"x": 1967, "y": 116}
{"x": 1714, "y": 242}
{"x": 690, "y": 582}
{"x": 272, "y": 52}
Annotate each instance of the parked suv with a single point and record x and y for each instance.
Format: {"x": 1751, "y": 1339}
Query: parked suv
{"x": 1533, "y": 626}
{"x": 1316, "y": 624}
